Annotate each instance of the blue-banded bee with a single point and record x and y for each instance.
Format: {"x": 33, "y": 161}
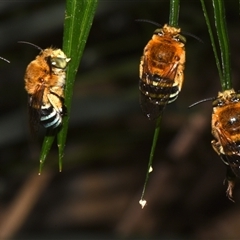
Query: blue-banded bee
{"x": 44, "y": 83}
{"x": 161, "y": 70}
{"x": 226, "y": 131}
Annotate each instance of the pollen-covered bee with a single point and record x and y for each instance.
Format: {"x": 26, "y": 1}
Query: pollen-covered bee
{"x": 226, "y": 131}
{"x": 44, "y": 83}
{"x": 161, "y": 70}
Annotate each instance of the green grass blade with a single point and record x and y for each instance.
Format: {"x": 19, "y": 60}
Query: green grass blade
{"x": 149, "y": 169}
{"x": 212, "y": 41}
{"x": 174, "y": 12}
{"x": 173, "y": 21}
{"x": 78, "y": 21}
{"x": 46, "y": 146}
{"x": 223, "y": 66}
{"x": 221, "y": 28}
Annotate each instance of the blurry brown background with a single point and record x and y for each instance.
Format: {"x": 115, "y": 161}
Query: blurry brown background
{"x": 109, "y": 140}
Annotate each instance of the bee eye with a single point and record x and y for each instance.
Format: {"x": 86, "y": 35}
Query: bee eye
{"x": 217, "y": 103}
{"x": 235, "y": 99}
{"x": 159, "y": 32}
{"x": 59, "y": 62}
{"x": 180, "y": 38}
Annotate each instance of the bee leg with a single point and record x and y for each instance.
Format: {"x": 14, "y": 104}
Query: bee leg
{"x": 230, "y": 180}
{"x": 56, "y": 102}
{"x": 218, "y": 149}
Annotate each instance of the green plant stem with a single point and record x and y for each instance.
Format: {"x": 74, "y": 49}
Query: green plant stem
{"x": 78, "y": 21}
{"x": 153, "y": 148}
{"x": 212, "y": 41}
{"x": 221, "y": 28}
{"x": 46, "y": 146}
{"x": 173, "y": 21}
{"x": 224, "y": 69}
{"x": 174, "y": 12}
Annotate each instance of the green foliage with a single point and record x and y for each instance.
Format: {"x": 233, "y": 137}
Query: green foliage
{"x": 174, "y": 12}
{"x": 223, "y": 66}
{"x": 78, "y": 21}
{"x": 173, "y": 21}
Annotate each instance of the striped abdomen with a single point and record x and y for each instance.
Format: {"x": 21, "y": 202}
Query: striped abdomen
{"x": 49, "y": 117}
{"x": 156, "y": 92}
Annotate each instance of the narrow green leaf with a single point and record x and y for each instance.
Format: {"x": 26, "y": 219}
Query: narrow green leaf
{"x": 150, "y": 161}
{"x": 78, "y": 21}
{"x": 212, "y": 41}
{"x": 221, "y": 28}
{"x": 174, "y": 12}
{"x": 173, "y": 21}
{"x": 46, "y": 146}
{"x": 223, "y": 66}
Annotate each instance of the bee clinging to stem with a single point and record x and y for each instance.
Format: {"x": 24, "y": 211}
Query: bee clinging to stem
{"x": 161, "y": 70}
{"x": 226, "y": 133}
{"x": 44, "y": 82}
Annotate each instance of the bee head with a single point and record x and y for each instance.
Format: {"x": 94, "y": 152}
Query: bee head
{"x": 59, "y": 59}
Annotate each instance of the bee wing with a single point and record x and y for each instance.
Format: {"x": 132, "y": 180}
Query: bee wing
{"x": 155, "y": 90}
{"x": 34, "y": 107}
{"x": 150, "y": 110}
{"x": 231, "y": 150}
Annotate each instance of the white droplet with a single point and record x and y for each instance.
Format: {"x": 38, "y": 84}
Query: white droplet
{"x": 142, "y": 202}
{"x": 150, "y": 169}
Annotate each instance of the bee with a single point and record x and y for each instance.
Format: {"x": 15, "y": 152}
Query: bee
{"x": 161, "y": 70}
{"x": 226, "y": 131}
{"x": 44, "y": 82}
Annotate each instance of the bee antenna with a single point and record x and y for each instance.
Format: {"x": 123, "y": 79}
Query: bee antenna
{"x": 31, "y": 45}
{"x": 159, "y": 25}
{"x": 148, "y": 21}
{"x": 193, "y": 36}
{"x": 5, "y": 59}
{"x": 202, "y": 101}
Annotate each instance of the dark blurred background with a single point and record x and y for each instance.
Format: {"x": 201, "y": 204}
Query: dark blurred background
{"x": 109, "y": 140}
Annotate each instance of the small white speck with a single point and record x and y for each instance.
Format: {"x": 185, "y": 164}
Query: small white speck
{"x": 142, "y": 202}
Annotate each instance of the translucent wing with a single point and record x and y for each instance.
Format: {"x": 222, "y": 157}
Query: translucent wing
{"x": 157, "y": 91}
{"x": 231, "y": 150}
